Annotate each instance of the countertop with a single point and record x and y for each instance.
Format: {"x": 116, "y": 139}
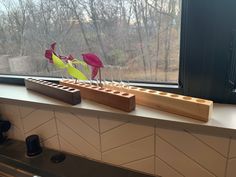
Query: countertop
{"x": 12, "y": 153}
{"x": 222, "y": 121}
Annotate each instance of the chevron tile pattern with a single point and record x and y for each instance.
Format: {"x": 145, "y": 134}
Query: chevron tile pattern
{"x": 188, "y": 154}
{"x": 231, "y": 169}
{"x": 138, "y": 144}
{"x": 128, "y": 143}
{"x": 73, "y": 130}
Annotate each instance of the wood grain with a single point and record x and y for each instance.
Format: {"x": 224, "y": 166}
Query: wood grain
{"x": 57, "y": 91}
{"x": 195, "y": 108}
{"x": 110, "y": 97}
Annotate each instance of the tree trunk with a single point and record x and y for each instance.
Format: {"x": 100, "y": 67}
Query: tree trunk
{"x": 159, "y": 23}
{"x": 94, "y": 18}
{"x": 140, "y": 36}
{"x": 81, "y": 26}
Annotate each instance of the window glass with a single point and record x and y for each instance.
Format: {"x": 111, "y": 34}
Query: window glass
{"x": 137, "y": 40}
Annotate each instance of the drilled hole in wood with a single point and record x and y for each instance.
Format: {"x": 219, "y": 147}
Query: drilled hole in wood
{"x": 71, "y": 89}
{"x": 174, "y": 95}
{"x": 101, "y": 89}
{"x": 54, "y": 84}
{"x": 65, "y": 87}
{"x": 142, "y": 89}
{"x": 94, "y": 87}
{"x": 200, "y": 101}
{"x": 187, "y": 98}
{"x": 108, "y": 90}
{"x": 152, "y": 91}
{"x": 125, "y": 94}
{"x": 60, "y": 86}
{"x": 116, "y": 92}
{"x": 49, "y": 83}
{"x": 162, "y": 93}
{"x": 133, "y": 88}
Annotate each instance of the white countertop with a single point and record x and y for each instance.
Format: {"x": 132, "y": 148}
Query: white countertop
{"x": 223, "y": 118}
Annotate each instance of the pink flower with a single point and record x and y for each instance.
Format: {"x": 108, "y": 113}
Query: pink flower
{"x": 49, "y": 52}
{"x": 94, "y": 61}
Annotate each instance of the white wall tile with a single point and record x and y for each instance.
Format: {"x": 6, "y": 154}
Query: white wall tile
{"x": 179, "y": 161}
{"x": 130, "y": 152}
{"x": 199, "y": 152}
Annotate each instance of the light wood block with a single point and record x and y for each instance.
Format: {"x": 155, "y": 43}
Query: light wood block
{"x": 110, "y": 97}
{"x": 60, "y": 92}
{"x": 195, "y": 108}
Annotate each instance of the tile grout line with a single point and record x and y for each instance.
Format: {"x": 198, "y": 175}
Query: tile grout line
{"x": 102, "y": 133}
{"x": 134, "y": 141}
{"x": 100, "y": 138}
{"x": 205, "y": 143}
{"x": 55, "y": 122}
{"x": 227, "y": 160}
{"x": 43, "y": 140}
{"x": 39, "y": 125}
{"x": 29, "y": 113}
{"x": 85, "y": 122}
{"x": 79, "y": 135}
{"x": 232, "y": 158}
{"x": 143, "y": 158}
{"x": 189, "y": 157}
{"x": 21, "y": 121}
{"x": 170, "y": 166}
{"x": 77, "y": 149}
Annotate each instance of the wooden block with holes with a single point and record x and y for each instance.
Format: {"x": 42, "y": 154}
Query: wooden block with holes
{"x": 178, "y": 104}
{"x": 113, "y": 98}
{"x": 60, "y": 92}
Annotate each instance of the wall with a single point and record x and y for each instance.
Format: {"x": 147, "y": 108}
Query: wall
{"x": 140, "y": 144}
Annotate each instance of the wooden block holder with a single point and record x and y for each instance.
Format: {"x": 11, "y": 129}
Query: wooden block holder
{"x": 113, "y": 98}
{"x": 195, "y": 108}
{"x": 57, "y": 91}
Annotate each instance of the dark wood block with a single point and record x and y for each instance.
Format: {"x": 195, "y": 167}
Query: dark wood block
{"x": 64, "y": 93}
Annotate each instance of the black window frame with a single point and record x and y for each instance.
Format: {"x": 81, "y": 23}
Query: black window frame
{"x": 205, "y": 51}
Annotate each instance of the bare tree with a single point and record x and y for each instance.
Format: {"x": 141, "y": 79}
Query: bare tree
{"x": 140, "y": 34}
{"x": 135, "y": 5}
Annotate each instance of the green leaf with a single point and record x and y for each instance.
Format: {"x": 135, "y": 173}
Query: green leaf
{"x": 58, "y": 62}
{"x": 75, "y": 72}
{"x": 79, "y": 62}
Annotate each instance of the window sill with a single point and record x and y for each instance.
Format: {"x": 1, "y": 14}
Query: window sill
{"x": 218, "y": 124}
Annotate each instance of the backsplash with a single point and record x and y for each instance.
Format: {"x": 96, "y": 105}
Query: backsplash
{"x": 138, "y": 144}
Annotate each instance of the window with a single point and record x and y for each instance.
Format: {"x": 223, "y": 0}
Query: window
{"x": 138, "y": 40}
